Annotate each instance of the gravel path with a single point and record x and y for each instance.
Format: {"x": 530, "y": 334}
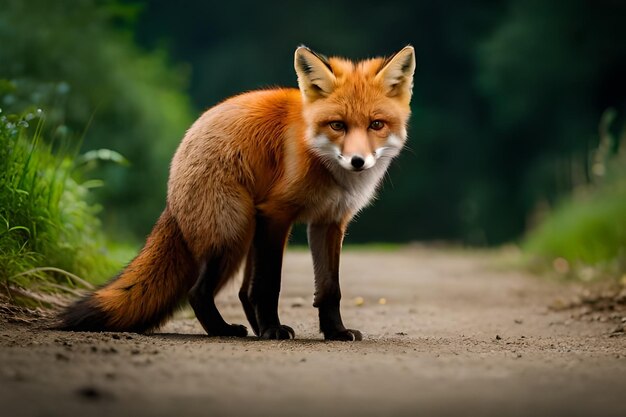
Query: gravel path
{"x": 456, "y": 333}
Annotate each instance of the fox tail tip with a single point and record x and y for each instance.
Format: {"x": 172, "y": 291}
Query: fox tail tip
{"x": 83, "y": 315}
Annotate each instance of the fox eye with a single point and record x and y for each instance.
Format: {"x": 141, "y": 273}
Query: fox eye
{"x": 337, "y": 126}
{"x": 377, "y": 125}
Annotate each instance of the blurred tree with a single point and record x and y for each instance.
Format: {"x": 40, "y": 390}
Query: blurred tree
{"x": 245, "y": 45}
{"x": 66, "y": 57}
{"x": 549, "y": 70}
{"x": 507, "y": 93}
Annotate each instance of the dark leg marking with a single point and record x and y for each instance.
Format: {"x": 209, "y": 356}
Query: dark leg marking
{"x": 265, "y": 274}
{"x": 325, "y": 243}
{"x": 244, "y": 292}
{"x": 202, "y": 299}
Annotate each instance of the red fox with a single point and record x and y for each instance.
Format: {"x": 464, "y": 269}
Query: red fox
{"x": 245, "y": 171}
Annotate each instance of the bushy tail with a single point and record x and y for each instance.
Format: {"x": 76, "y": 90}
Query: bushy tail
{"x": 144, "y": 294}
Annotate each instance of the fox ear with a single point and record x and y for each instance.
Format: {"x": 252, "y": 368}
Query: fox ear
{"x": 397, "y": 73}
{"x": 315, "y": 76}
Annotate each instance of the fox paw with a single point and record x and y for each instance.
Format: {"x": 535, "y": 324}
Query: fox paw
{"x": 278, "y": 332}
{"x": 346, "y": 335}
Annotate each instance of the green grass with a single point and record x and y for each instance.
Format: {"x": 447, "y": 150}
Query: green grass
{"x": 588, "y": 234}
{"x": 49, "y": 231}
{"x": 591, "y": 230}
{"x": 585, "y": 236}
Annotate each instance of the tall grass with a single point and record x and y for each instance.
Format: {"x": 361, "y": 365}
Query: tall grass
{"x": 585, "y": 236}
{"x": 49, "y": 231}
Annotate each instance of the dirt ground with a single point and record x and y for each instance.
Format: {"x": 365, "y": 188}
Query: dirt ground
{"x": 457, "y": 333}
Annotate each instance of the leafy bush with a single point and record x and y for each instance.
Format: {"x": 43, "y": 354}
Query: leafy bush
{"x": 48, "y": 229}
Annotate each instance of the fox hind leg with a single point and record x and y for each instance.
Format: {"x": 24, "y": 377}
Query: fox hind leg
{"x": 218, "y": 231}
{"x": 214, "y": 273}
{"x": 244, "y": 292}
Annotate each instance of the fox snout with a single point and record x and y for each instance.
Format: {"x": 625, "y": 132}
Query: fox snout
{"x": 357, "y": 153}
{"x": 356, "y": 162}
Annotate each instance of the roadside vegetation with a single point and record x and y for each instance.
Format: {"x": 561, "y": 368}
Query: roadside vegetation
{"x": 50, "y": 235}
{"x": 77, "y": 93}
{"x": 78, "y": 62}
{"x": 584, "y": 236}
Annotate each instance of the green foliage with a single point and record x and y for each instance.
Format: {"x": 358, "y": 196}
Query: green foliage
{"x": 48, "y": 229}
{"x": 507, "y": 94}
{"x": 77, "y": 59}
{"x": 588, "y": 229}
{"x": 548, "y": 71}
{"x": 506, "y": 97}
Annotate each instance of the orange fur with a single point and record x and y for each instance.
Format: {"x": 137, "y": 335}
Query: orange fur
{"x": 146, "y": 287}
{"x": 269, "y": 153}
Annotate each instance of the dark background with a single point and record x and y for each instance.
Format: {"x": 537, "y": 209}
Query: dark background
{"x": 507, "y": 99}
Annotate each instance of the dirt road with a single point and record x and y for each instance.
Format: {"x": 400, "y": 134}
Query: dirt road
{"x": 458, "y": 335}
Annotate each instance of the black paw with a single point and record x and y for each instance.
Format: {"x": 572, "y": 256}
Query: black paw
{"x": 278, "y": 332}
{"x": 234, "y": 330}
{"x": 346, "y": 335}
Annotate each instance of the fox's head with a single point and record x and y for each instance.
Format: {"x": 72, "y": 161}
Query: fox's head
{"x": 356, "y": 112}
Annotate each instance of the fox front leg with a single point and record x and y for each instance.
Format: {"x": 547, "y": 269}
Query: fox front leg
{"x": 265, "y": 264}
{"x": 325, "y": 243}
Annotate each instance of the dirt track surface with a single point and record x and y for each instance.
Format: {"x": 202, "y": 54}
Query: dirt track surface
{"x": 458, "y": 335}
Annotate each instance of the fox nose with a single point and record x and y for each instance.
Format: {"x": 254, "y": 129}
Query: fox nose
{"x": 357, "y": 162}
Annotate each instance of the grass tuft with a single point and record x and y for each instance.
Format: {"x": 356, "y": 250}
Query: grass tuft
{"x": 50, "y": 235}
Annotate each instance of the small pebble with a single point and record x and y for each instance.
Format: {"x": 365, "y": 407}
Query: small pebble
{"x": 298, "y": 302}
{"x": 89, "y": 392}
{"x": 498, "y": 337}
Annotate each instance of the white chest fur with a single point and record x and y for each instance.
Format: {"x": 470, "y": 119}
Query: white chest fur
{"x": 350, "y": 193}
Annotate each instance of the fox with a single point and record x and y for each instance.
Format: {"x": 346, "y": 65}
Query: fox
{"x": 246, "y": 171}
